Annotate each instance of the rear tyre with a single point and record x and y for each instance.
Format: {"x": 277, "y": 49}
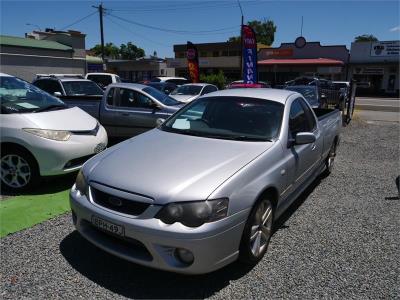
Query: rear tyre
{"x": 257, "y": 232}
{"x": 330, "y": 160}
{"x": 19, "y": 170}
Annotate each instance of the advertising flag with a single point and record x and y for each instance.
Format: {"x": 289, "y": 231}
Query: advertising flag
{"x": 193, "y": 62}
{"x": 249, "y": 55}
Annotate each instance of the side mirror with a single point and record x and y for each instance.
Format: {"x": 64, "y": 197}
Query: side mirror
{"x": 304, "y": 138}
{"x": 160, "y": 121}
{"x": 154, "y": 105}
{"x": 57, "y": 94}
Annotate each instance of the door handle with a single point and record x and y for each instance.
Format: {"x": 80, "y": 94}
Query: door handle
{"x": 313, "y": 147}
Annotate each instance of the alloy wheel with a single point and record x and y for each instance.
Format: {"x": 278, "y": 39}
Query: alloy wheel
{"x": 15, "y": 171}
{"x": 261, "y": 228}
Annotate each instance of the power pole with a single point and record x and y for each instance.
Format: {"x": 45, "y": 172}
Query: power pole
{"x": 101, "y": 11}
{"x": 241, "y": 41}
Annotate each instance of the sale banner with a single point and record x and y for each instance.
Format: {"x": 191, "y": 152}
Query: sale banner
{"x": 249, "y": 55}
{"x": 193, "y": 62}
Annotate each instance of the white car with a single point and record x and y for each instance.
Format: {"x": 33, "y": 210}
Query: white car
{"x": 41, "y": 136}
{"x": 191, "y": 91}
{"x": 103, "y": 79}
{"x": 175, "y": 80}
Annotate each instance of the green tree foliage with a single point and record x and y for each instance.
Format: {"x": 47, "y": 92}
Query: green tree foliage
{"x": 110, "y": 50}
{"x": 217, "y": 79}
{"x": 128, "y": 51}
{"x": 365, "y": 38}
{"x": 265, "y": 32}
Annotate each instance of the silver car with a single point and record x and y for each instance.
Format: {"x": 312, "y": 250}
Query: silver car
{"x": 41, "y": 136}
{"x": 191, "y": 91}
{"x": 204, "y": 188}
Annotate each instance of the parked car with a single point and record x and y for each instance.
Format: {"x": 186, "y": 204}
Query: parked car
{"x": 103, "y": 79}
{"x": 191, "y": 91}
{"x": 41, "y": 136}
{"x": 165, "y": 87}
{"x": 309, "y": 92}
{"x": 205, "y": 188}
{"x": 128, "y": 109}
{"x": 239, "y": 84}
{"x": 176, "y": 80}
{"x": 74, "y": 92}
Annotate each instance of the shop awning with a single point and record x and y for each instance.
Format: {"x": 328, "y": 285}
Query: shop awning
{"x": 302, "y": 61}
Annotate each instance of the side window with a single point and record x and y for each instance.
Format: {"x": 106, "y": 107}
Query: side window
{"x": 50, "y": 86}
{"x": 131, "y": 98}
{"x": 208, "y": 89}
{"x": 310, "y": 116}
{"x": 110, "y": 97}
{"x": 298, "y": 121}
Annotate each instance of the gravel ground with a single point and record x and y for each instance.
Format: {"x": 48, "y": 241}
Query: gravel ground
{"x": 340, "y": 239}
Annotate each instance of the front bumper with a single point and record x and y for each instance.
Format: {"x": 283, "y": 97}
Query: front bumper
{"x": 150, "y": 242}
{"x": 62, "y": 157}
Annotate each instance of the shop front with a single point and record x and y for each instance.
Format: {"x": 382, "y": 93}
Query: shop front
{"x": 302, "y": 58}
{"x": 375, "y": 67}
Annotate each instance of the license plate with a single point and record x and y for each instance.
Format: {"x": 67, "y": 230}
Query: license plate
{"x": 108, "y": 226}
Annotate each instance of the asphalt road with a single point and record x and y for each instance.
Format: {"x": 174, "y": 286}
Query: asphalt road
{"x": 340, "y": 239}
{"x": 378, "y": 104}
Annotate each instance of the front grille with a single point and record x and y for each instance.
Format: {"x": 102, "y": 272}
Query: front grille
{"x": 76, "y": 162}
{"x": 118, "y": 204}
{"x": 124, "y": 245}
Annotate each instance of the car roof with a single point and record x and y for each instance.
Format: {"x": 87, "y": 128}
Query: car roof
{"x": 129, "y": 85}
{"x": 5, "y": 75}
{"x": 276, "y": 95}
{"x": 167, "y": 78}
{"x": 197, "y": 84}
{"x": 63, "y": 79}
{"x": 160, "y": 83}
{"x": 98, "y": 73}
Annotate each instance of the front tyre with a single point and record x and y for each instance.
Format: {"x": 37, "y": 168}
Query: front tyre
{"x": 19, "y": 170}
{"x": 257, "y": 232}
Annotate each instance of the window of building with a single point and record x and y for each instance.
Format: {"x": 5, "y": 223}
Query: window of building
{"x": 215, "y": 53}
{"x": 225, "y": 53}
{"x": 180, "y": 54}
{"x": 203, "y": 54}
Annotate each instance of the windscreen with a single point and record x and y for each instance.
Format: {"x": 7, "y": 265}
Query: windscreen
{"x": 75, "y": 88}
{"x": 160, "y": 96}
{"x": 187, "y": 90}
{"x": 19, "y": 96}
{"x": 237, "y": 118}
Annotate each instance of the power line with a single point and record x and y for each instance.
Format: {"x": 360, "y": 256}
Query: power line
{"x": 135, "y": 33}
{"x": 201, "y": 32}
{"x": 78, "y": 21}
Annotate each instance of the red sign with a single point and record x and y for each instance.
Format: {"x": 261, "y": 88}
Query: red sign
{"x": 193, "y": 62}
{"x": 287, "y": 52}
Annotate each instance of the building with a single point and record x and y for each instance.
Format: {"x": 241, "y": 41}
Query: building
{"x": 43, "y": 52}
{"x": 140, "y": 69}
{"x": 213, "y": 57}
{"x": 290, "y": 60}
{"x": 375, "y": 66}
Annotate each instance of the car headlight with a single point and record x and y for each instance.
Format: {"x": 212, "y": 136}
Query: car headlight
{"x": 57, "y": 135}
{"x": 80, "y": 183}
{"x": 194, "y": 214}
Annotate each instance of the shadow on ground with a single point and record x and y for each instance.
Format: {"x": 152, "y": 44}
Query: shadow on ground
{"x": 134, "y": 281}
{"x": 48, "y": 185}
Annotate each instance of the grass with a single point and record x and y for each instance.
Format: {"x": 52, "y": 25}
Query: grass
{"x": 24, "y": 211}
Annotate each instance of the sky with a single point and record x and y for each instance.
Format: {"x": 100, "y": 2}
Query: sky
{"x": 158, "y": 25}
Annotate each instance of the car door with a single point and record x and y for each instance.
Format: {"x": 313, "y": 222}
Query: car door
{"x": 135, "y": 112}
{"x": 303, "y": 158}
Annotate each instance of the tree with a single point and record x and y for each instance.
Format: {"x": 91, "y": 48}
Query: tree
{"x": 365, "y": 38}
{"x": 130, "y": 51}
{"x": 265, "y": 32}
{"x": 217, "y": 79}
{"x": 110, "y": 50}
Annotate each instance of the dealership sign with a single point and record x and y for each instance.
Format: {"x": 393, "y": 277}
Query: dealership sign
{"x": 193, "y": 62}
{"x": 388, "y": 48}
{"x": 249, "y": 55}
{"x": 285, "y": 52}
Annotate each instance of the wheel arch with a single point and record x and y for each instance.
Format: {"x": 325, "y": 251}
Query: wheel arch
{"x": 10, "y": 145}
{"x": 270, "y": 192}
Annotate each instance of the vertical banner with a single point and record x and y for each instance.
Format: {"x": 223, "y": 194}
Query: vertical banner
{"x": 249, "y": 55}
{"x": 193, "y": 62}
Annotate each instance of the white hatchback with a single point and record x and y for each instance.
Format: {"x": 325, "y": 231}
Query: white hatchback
{"x": 41, "y": 136}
